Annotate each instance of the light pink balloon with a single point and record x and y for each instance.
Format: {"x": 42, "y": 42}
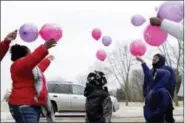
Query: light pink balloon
{"x": 137, "y": 48}
{"x": 154, "y": 35}
{"x": 96, "y": 33}
{"x": 49, "y": 31}
{"x": 101, "y": 55}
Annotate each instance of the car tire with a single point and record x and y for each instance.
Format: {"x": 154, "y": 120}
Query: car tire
{"x": 54, "y": 107}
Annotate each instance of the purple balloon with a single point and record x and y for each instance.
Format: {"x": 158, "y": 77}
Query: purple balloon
{"x": 28, "y": 32}
{"x": 137, "y": 20}
{"x": 106, "y": 40}
{"x": 172, "y": 10}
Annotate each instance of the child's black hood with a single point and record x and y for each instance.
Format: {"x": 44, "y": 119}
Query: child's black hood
{"x": 89, "y": 89}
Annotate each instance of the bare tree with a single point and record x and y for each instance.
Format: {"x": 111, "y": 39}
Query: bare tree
{"x": 137, "y": 79}
{"x": 119, "y": 65}
{"x": 174, "y": 57}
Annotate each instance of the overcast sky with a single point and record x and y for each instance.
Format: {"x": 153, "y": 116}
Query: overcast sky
{"x": 76, "y": 50}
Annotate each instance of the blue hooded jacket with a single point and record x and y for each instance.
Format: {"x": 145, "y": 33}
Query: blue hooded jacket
{"x": 157, "y": 98}
{"x": 148, "y": 75}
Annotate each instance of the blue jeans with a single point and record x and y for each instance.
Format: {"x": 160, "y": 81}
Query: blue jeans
{"x": 25, "y": 113}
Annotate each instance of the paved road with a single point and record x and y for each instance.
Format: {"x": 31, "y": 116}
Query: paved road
{"x": 114, "y": 119}
{"x": 131, "y": 113}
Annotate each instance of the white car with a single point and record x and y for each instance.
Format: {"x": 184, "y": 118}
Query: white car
{"x": 68, "y": 97}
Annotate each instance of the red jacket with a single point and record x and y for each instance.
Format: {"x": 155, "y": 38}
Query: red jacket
{"x": 23, "y": 89}
{"x": 4, "y": 46}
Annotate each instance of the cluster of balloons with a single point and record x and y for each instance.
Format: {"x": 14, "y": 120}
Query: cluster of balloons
{"x": 153, "y": 35}
{"x": 172, "y": 10}
{"x": 137, "y": 47}
{"x": 96, "y": 34}
{"x": 29, "y": 32}
{"x": 106, "y": 41}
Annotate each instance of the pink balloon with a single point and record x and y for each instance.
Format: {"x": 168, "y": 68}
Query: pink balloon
{"x": 154, "y": 36}
{"x": 49, "y": 31}
{"x": 137, "y": 48}
{"x": 96, "y": 33}
{"x": 101, "y": 55}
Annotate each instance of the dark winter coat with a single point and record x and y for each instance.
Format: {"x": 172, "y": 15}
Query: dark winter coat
{"x": 98, "y": 104}
{"x": 157, "y": 98}
{"x": 172, "y": 81}
{"x": 148, "y": 75}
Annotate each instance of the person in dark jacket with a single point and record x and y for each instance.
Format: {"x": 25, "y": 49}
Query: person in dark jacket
{"x": 157, "y": 99}
{"x": 98, "y": 101}
{"x": 159, "y": 63}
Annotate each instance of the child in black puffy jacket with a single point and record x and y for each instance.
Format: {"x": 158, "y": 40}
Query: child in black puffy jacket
{"x": 98, "y": 101}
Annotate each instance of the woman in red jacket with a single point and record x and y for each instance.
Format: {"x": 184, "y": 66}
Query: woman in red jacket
{"x": 4, "y": 45}
{"x": 29, "y": 88}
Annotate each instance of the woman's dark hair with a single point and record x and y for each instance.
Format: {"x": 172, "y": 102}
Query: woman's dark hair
{"x": 18, "y": 51}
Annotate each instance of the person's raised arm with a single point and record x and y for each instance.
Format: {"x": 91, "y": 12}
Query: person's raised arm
{"x": 147, "y": 76}
{"x": 31, "y": 60}
{"x": 44, "y": 64}
{"x": 145, "y": 68}
{"x": 173, "y": 28}
{"x": 4, "y": 45}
